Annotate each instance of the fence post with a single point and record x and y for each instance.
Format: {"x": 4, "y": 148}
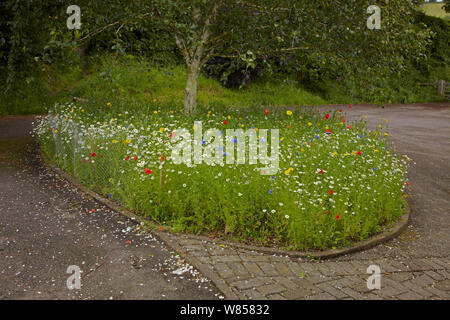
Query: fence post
{"x": 441, "y": 87}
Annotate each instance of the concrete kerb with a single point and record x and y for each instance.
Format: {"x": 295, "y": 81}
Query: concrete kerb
{"x": 169, "y": 238}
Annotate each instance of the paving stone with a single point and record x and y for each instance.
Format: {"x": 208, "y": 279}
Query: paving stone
{"x": 398, "y": 276}
{"x": 321, "y": 296}
{"x": 282, "y": 269}
{"x": 443, "y": 285}
{"x": 429, "y": 263}
{"x": 415, "y": 265}
{"x": 223, "y": 270}
{"x": 217, "y": 259}
{"x": 268, "y": 269}
{"x": 247, "y": 284}
{"x": 286, "y": 282}
{"x": 409, "y": 296}
{"x": 340, "y": 268}
{"x": 325, "y": 270}
{"x": 296, "y": 294}
{"x": 434, "y": 275}
{"x": 443, "y": 262}
{"x": 239, "y": 270}
{"x": 419, "y": 290}
{"x": 308, "y": 267}
{"x": 444, "y": 273}
{"x": 253, "y": 269}
{"x": 345, "y": 281}
{"x": 254, "y": 258}
{"x": 271, "y": 289}
{"x": 306, "y": 284}
{"x": 276, "y": 297}
{"x": 348, "y": 268}
{"x": 254, "y": 294}
{"x": 352, "y": 293}
{"x": 422, "y": 281}
{"x": 205, "y": 260}
{"x": 331, "y": 290}
{"x": 438, "y": 293}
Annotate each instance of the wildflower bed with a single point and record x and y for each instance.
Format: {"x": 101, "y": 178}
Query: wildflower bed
{"x": 338, "y": 182}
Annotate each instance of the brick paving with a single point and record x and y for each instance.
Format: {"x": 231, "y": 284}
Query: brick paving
{"x": 247, "y": 274}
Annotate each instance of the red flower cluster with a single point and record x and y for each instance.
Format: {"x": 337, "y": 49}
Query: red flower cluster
{"x": 148, "y": 171}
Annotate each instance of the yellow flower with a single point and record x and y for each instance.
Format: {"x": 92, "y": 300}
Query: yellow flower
{"x": 302, "y": 150}
{"x": 256, "y": 129}
{"x": 288, "y": 171}
{"x": 242, "y": 125}
{"x": 56, "y": 130}
{"x": 289, "y": 113}
{"x": 115, "y": 141}
{"x": 229, "y": 117}
{"x": 127, "y": 141}
{"x": 109, "y": 104}
{"x": 301, "y": 118}
{"x": 119, "y": 114}
{"x": 82, "y": 110}
{"x": 334, "y": 153}
{"x": 155, "y": 112}
{"x": 154, "y": 100}
{"x": 309, "y": 124}
{"x": 161, "y": 130}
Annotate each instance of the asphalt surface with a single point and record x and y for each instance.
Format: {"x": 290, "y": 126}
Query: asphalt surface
{"x": 47, "y": 226}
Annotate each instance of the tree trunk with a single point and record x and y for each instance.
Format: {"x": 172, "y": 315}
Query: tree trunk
{"x": 190, "y": 100}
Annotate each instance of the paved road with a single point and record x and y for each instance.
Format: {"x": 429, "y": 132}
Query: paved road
{"x": 46, "y": 226}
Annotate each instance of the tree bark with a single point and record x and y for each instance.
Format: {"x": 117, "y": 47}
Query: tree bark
{"x": 190, "y": 100}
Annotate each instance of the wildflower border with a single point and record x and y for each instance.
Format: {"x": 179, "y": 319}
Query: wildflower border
{"x": 158, "y": 230}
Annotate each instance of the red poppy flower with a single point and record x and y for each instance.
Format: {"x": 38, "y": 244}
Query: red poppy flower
{"x": 337, "y": 217}
{"x": 266, "y": 112}
{"x": 127, "y": 158}
{"x": 148, "y": 171}
{"x": 162, "y": 158}
{"x": 351, "y": 106}
{"x": 327, "y": 116}
{"x": 349, "y": 127}
{"x": 340, "y": 110}
{"x": 172, "y": 134}
{"x": 160, "y": 228}
{"x": 93, "y": 154}
{"x": 328, "y": 131}
{"x": 343, "y": 120}
{"x": 224, "y": 122}
{"x": 331, "y": 191}
{"x": 408, "y": 184}
{"x": 320, "y": 171}
{"x": 135, "y": 157}
{"x": 92, "y": 210}
{"x": 358, "y": 152}
{"x": 128, "y": 242}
